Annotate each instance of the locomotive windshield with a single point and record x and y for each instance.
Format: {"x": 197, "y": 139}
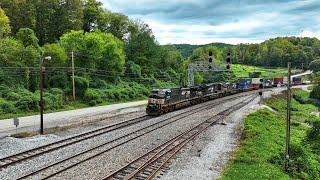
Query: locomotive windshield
{"x": 160, "y": 91}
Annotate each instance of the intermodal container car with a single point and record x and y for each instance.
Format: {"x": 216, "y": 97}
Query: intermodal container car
{"x": 296, "y": 80}
{"x": 278, "y": 81}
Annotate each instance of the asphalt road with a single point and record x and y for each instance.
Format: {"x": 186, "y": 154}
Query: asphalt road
{"x": 65, "y": 117}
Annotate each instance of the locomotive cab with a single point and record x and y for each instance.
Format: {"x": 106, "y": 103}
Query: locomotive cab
{"x": 156, "y": 101}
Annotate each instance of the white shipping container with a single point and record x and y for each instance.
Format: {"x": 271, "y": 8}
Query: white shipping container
{"x": 285, "y": 79}
{"x": 256, "y": 80}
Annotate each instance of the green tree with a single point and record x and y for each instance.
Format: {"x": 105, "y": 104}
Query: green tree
{"x": 20, "y": 12}
{"x": 117, "y": 24}
{"x": 4, "y": 24}
{"x": 27, "y": 37}
{"x": 56, "y": 17}
{"x": 143, "y": 50}
{"x": 93, "y": 16}
{"x": 315, "y": 93}
{"x": 315, "y": 65}
{"x": 202, "y": 54}
{"x": 68, "y": 16}
{"x": 96, "y": 51}
{"x": 58, "y": 54}
{"x": 18, "y": 58}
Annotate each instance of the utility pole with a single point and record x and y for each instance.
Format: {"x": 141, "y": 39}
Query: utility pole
{"x": 41, "y": 95}
{"x": 288, "y": 114}
{"x": 73, "y": 84}
{"x": 41, "y": 91}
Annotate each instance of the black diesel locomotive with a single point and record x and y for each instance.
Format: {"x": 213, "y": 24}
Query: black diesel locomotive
{"x": 165, "y": 100}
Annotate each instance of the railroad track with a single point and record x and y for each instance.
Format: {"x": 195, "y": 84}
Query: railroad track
{"x": 32, "y": 153}
{"x": 25, "y": 155}
{"x": 78, "y": 158}
{"x": 151, "y": 163}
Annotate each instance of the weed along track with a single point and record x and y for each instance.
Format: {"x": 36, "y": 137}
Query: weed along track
{"x": 153, "y": 162}
{"x": 60, "y": 165}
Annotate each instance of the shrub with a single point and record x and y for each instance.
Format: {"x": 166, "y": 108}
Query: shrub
{"x": 28, "y": 103}
{"x": 98, "y": 83}
{"x": 315, "y": 93}
{"x": 53, "y": 101}
{"x": 92, "y": 95}
{"x": 108, "y": 95}
{"x": 59, "y": 81}
{"x": 93, "y": 103}
{"x": 82, "y": 84}
{"x": 23, "y": 92}
{"x": 8, "y": 107}
{"x": 12, "y": 96}
{"x": 5, "y": 92}
{"x": 56, "y": 91}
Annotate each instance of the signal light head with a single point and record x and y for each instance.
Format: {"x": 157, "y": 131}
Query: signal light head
{"x": 228, "y": 60}
{"x": 210, "y": 67}
{"x": 228, "y": 66}
{"x": 210, "y": 60}
{"x": 261, "y": 86}
{"x": 228, "y": 54}
{"x": 210, "y": 53}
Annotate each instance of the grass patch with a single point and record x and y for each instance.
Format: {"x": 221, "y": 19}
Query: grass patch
{"x": 261, "y": 153}
{"x": 311, "y": 87}
{"x": 243, "y": 71}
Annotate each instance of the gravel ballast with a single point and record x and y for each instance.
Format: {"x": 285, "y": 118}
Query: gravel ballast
{"x": 204, "y": 158}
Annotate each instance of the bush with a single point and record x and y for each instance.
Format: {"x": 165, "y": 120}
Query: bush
{"x": 59, "y": 81}
{"x": 315, "y": 93}
{"x": 53, "y": 101}
{"x": 5, "y": 92}
{"x": 28, "y": 103}
{"x": 12, "y": 96}
{"x": 56, "y": 91}
{"x": 98, "y": 83}
{"x": 82, "y": 84}
{"x": 313, "y": 136}
{"x": 92, "y": 95}
{"x": 8, "y": 107}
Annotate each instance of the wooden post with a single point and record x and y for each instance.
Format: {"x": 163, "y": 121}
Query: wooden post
{"x": 73, "y": 83}
{"x": 288, "y": 114}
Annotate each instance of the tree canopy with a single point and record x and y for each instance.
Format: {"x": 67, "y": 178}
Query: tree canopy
{"x": 4, "y": 24}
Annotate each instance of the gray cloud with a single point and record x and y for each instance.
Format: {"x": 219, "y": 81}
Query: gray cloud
{"x": 237, "y": 19}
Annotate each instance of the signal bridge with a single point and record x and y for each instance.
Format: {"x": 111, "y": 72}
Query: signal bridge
{"x": 207, "y": 66}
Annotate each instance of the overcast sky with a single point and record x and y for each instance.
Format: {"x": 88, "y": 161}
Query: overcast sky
{"x": 228, "y": 21}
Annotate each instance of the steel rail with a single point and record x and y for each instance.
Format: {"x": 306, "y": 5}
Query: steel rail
{"x": 198, "y": 109}
{"x": 25, "y": 155}
{"x": 154, "y": 153}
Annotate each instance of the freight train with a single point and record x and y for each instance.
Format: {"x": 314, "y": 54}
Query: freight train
{"x": 169, "y": 99}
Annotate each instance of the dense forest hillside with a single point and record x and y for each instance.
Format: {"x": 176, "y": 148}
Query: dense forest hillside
{"x": 187, "y": 49}
{"x": 116, "y": 58}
